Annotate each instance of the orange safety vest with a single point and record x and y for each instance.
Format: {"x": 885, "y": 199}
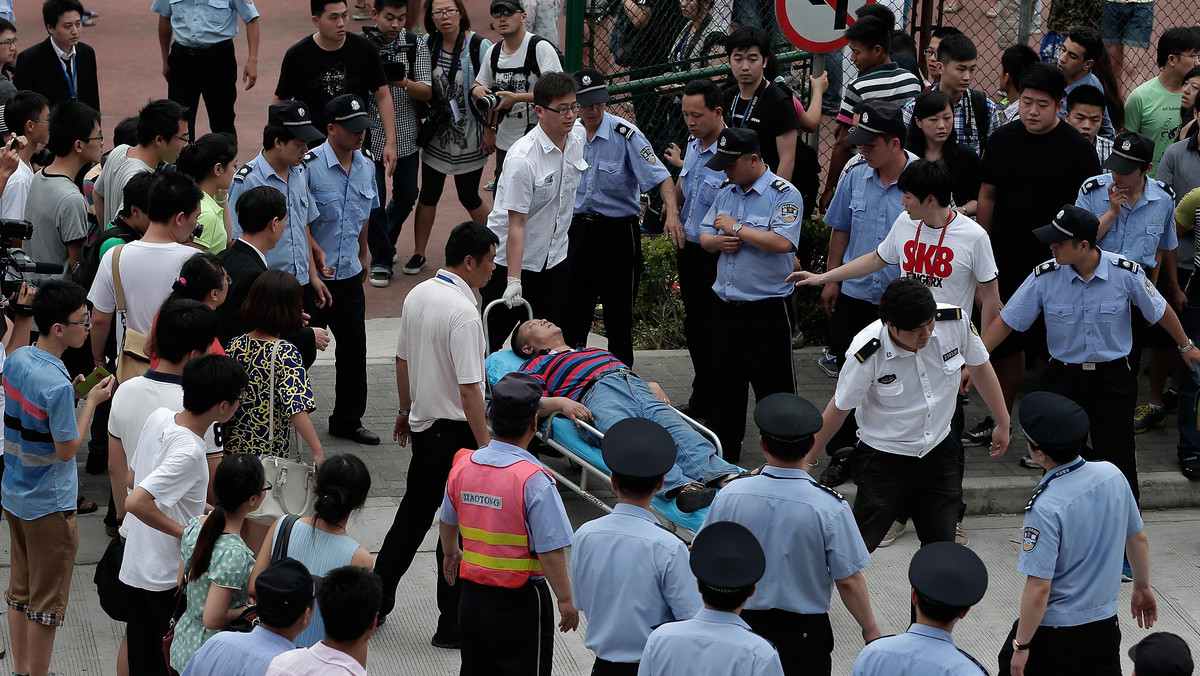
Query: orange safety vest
{"x": 490, "y": 502}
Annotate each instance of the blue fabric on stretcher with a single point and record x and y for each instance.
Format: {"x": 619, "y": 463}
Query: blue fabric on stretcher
{"x": 499, "y": 364}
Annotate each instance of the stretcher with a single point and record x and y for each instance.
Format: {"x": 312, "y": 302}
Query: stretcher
{"x": 563, "y": 435}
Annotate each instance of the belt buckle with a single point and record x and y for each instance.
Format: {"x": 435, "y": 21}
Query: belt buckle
{"x": 1089, "y": 366}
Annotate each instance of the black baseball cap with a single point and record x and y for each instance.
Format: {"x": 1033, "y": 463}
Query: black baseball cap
{"x": 286, "y": 585}
{"x": 875, "y": 119}
{"x": 514, "y": 5}
{"x": 517, "y": 394}
{"x": 1070, "y": 221}
{"x": 591, "y": 87}
{"x": 727, "y": 557}
{"x": 639, "y": 448}
{"x": 949, "y": 574}
{"x": 296, "y": 117}
{"x": 1162, "y": 654}
{"x": 348, "y": 111}
{"x": 787, "y": 417}
{"x": 1131, "y": 151}
{"x": 1051, "y": 420}
{"x": 733, "y": 143}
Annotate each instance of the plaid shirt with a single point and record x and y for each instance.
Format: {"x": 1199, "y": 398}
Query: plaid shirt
{"x": 406, "y": 116}
{"x": 965, "y": 121}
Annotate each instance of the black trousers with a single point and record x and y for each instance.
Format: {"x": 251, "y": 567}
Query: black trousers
{"x": 928, "y": 490}
{"x": 605, "y": 256}
{"x": 145, "y": 631}
{"x": 346, "y": 319}
{"x": 1092, "y": 649}
{"x": 506, "y": 631}
{"x": 210, "y": 72}
{"x": 546, "y": 292}
{"x": 752, "y": 346}
{"x": 697, "y": 274}
{"x": 804, "y": 642}
{"x": 433, "y": 452}
{"x": 606, "y": 668}
{"x": 850, "y": 315}
{"x": 1107, "y": 394}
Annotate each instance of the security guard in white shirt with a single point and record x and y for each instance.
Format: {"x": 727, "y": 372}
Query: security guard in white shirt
{"x": 903, "y": 380}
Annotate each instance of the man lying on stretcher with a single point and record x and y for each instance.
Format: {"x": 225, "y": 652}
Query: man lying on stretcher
{"x": 607, "y": 391}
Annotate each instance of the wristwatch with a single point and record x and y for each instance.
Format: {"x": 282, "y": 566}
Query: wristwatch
{"x": 737, "y": 227}
{"x": 1018, "y": 647}
{"x": 1185, "y": 348}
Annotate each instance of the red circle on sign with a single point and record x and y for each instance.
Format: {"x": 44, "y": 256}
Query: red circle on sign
{"x": 804, "y": 43}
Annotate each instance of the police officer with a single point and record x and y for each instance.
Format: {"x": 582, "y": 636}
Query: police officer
{"x": 755, "y": 224}
{"x": 821, "y": 547}
{"x": 341, "y": 178}
{"x": 727, "y": 560}
{"x": 1161, "y": 654}
{"x": 947, "y": 579}
{"x": 1137, "y": 222}
{"x": 1085, "y": 294}
{"x": 514, "y": 533}
{"x": 629, "y": 574}
{"x": 280, "y": 165}
{"x": 196, "y": 39}
{"x": 605, "y": 249}
{"x": 903, "y": 381}
{"x": 1080, "y": 518}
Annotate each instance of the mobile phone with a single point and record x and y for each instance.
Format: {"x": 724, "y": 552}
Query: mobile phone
{"x": 93, "y": 379}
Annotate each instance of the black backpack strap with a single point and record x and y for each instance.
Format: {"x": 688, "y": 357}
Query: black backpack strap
{"x": 494, "y": 55}
{"x": 474, "y": 47}
{"x": 531, "y": 61}
{"x": 411, "y": 41}
{"x": 983, "y": 121}
{"x": 283, "y": 537}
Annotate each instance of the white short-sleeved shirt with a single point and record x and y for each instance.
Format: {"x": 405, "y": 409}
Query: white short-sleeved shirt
{"x": 171, "y": 466}
{"x": 521, "y": 116}
{"x": 905, "y": 400}
{"x": 137, "y": 398}
{"x": 148, "y": 269}
{"x": 441, "y": 338}
{"x": 12, "y": 203}
{"x": 539, "y": 181}
{"x": 949, "y": 260}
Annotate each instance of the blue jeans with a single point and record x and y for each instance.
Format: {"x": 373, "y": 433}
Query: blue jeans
{"x": 1189, "y": 380}
{"x": 383, "y": 227}
{"x": 624, "y": 395}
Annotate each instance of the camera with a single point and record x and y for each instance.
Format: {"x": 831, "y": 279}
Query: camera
{"x": 394, "y": 56}
{"x": 15, "y": 265}
{"x": 484, "y": 104}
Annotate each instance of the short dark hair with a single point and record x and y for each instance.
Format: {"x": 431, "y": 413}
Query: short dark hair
{"x": 727, "y": 601}
{"x": 1014, "y": 60}
{"x": 943, "y": 32}
{"x": 746, "y": 37}
{"x": 1086, "y": 95}
{"x": 469, "y": 239}
{"x": 552, "y": 86}
{"x": 125, "y": 133}
{"x": 1045, "y": 78}
{"x": 274, "y": 303}
{"x": 318, "y": 6}
{"x": 394, "y": 4}
{"x": 517, "y": 342}
{"x": 25, "y": 106}
{"x": 210, "y": 380}
{"x": 159, "y": 118}
{"x": 276, "y": 132}
{"x": 258, "y": 206}
{"x": 957, "y": 47}
{"x": 923, "y": 178}
{"x": 878, "y": 11}
{"x": 172, "y": 192}
{"x": 1177, "y": 41}
{"x": 938, "y": 612}
{"x": 1088, "y": 38}
{"x": 636, "y": 487}
{"x": 282, "y": 615}
{"x": 52, "y": 10}
{"x": 511, "y": 427}
{"x": 903, "y": 43}
{"x": 788, "y": 450}
{"x": 6, "y": 25}
{"x": 708, "y": 89}
{"x": 70, "y": 121}
{"x": 1059, "y": 453}
{"x": 342, "y": 483}
{"x": 349, "y": 598}
{"x": 136, "y": 193}
{"x": 907, "y": 303}
{"x": 54, "y": 303}
{"x": 464, "y": 20}
{"x": 870, "y": 32}
{"x": 183, "y": 326}
{"x": 197, "y": 159}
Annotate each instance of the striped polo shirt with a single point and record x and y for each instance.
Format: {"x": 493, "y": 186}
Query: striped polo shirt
{"x": 568, "y": 374}
{"x": 885, "y": 82}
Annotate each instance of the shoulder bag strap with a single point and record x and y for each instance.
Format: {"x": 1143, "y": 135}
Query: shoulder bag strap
{"x": 283, "y": 537}
{"x": 116, "y": 275}
{"x": 271, "y": 396}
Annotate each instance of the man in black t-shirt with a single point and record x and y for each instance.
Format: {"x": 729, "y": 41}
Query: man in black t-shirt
{"x": 1014, "y": 200}
{"x": 332, "y": 62}
{"x": 755, "y": 104}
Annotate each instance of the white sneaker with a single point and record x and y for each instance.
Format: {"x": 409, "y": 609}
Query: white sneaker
{"x": 894, "y": 532}
{"x": 960, "y": 536}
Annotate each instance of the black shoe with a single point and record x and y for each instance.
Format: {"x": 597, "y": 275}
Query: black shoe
{"x": 1190, "y": 466}
{"x": 981, "y": 433}
{"x": 694, "y": 499}
{"x": 445, "y": 641}
{"x": 361, "y": 435}
{"x": 838, "y": 471}
{"x": 1170, "y": 400}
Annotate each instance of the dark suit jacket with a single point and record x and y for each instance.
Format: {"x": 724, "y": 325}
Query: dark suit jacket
{"x": 244, "y": 265}
{"x": 39, "y": 69}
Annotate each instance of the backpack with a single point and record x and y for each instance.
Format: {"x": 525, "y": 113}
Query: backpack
{"x": 806, "y": 167}
{"x": 983, "y": 121}
{"x": 530, "y": 67}
{"x": 438, "y": 109}
{"x": 89, "y": 256}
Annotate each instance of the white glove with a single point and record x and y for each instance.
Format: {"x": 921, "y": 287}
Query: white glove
{"x": 512, "y": 293}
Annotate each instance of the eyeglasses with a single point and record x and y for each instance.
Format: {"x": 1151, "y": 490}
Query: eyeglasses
{"x": 928, "y": 51}
{"x": 11, "y": 42}
{"x": 1194, "y": 56}
{"x": 186, "y": 138}
{"x": 497, "y": 13}
{"x": 436, "y": 12}
{"x": 228, "y": 279}
{"x": 267, "y": 488}
{"x": 99, "y": 138}
{"x": 87, "y": 320}
{"x": 565, "y": 110}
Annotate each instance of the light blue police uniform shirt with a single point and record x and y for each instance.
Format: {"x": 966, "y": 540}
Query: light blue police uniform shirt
{"x": 1142, "y": 229}
{"x": 1086, "y": 321}
{"x": 866, "y": 209}
{"x": 713, "y": 643}
{"x": 344, "y": 202}
{"x": 770, "y": 205}
{"x": 629, "y": 575}
{"x": 291, "y": 253}
{"x": 618, "y": 152}
{"x": 921, "y": 651}
{"x": 545, "y": 517}
{"x": 1074, "y": 535}
{"x": 699, "y": 186}
{"x": 822, "y": 545}
{"x": 235, "y": 653}
{"x": 1089, "y": 78}
{"x": 200, "y": 23}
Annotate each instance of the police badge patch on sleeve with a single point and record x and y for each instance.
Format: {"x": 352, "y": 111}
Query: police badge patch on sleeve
{"x": 647, "y": 154}
{"x": 789, "y": 212}
{"x": 1030, "y": 539}
{"x": 1149, "y": 287}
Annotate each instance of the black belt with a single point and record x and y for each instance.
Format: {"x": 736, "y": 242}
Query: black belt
{"x": 1121, "y": 363}
{"x": 746, "y": 303}
{"x": 196, "y": 51}
{"x": 589, "y": 217}
{"x": 588, "y": 388}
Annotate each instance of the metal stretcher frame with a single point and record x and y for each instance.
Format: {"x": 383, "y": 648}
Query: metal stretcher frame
{"x": 587, "y": 470}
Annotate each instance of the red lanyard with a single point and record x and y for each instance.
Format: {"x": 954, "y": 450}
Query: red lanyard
{"x": 942, "y": 238}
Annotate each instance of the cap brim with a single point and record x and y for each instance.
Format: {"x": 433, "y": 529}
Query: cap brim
{"x": 721, "y": 161}
{"x": 507, "y": 5}
{"x": 356, "y": 124}
{"x": 306, "y": 132}
{"x": 859, "y": 136}
{"x": 593, "y": 97}
{"x": 1121, "y": 165}
{"x": 1048, "y": 234}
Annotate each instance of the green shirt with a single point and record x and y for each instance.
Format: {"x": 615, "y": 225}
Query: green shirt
{"x": 212, "y": 217}
{"x": 1153, "y": 111}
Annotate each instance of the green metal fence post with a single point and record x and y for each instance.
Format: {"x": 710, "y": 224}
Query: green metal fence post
{"x": 573, "y": 51}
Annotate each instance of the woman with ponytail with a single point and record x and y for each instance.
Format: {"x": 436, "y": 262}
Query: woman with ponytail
{"x": 216, "y": 562}
{"x": 202, "y": 278}
{"x": 212, "y": 161}
{"x": 320, "y": 541}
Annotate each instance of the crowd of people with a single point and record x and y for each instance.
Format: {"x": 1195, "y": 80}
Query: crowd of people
{"x": 191, "y": 293}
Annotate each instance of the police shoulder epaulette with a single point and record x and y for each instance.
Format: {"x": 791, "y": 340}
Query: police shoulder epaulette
{"x": 1166, "y": 187}
{"x": 724, "y": 183}
{"x": 948, "y": 313}
{"x": 625, "y": 130}
{"x": 243, "y": 172}
{"x": 367, "y": 154}
{"x": 780, "y": 185}
{"x": 309, "y": 156}
{"x": 1127, "y": 264}
{"x": 1090, "y": 185}
{"x": 1034, "y": 497}
{"x": 975, "y": 661}
{"x": 1044, "y": 267}
{"x": 829, "y": 490}
{"x": 867, "y": 350}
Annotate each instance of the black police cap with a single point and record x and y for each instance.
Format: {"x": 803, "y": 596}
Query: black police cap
{"x": 1162, "y": 654}
{"x": 1050, "y": 419}
{"x": 591, "y": 87}
{"x": 1131, "y": 151}
{"x": 517, "y": 395}
{"x": 296, "y": 117}
{"x": 727, "y": 557}
{"x": 348, "y": 111}
{"x": 1070, "y": 221}
{"x": 732, "y": 144}
{"x": 285, "y": 585}
{"x": 787, "y": 417}
{"x": 639, "y": 448}
{"x": 875, "y": 119}
{"x": 948, "y": 573}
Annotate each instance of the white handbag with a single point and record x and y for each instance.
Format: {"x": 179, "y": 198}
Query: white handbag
{"x": 293, "y": 482}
